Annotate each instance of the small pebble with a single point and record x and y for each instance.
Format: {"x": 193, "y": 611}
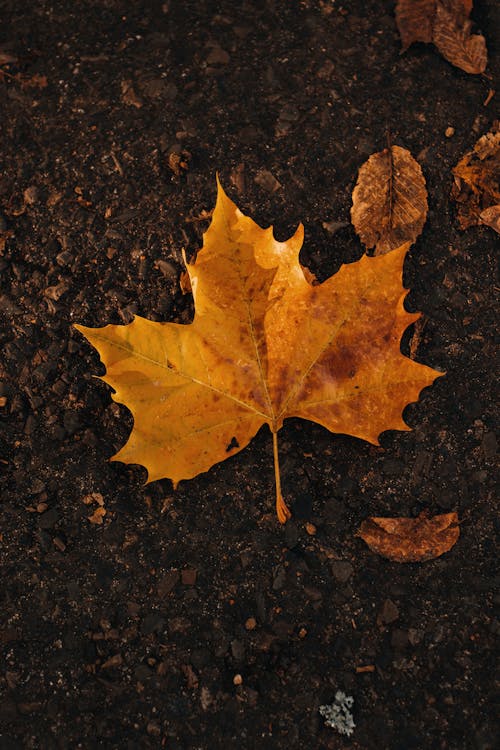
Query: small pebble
{"x": 114, "y": 661}
{"x": 267, "y": 181}
{"x": 153, "y": 729}
{"x": 449, "y": 132}
{"x": 389, "y": 613}
{"x": 188, "y": 577}
{"x": 342, "y": 570}
{"x": 311, "y": 529}
{"x": 251, "y": 623}
{"x": 237, "y": 679}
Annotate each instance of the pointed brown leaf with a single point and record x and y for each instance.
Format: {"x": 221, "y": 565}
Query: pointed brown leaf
{"x": 411, "y": 539}
{"x": 453, "y": 38}
{"x": 389, "y": 202}
{"x": 415, "y": 20}
{"x": 477, "y": 180}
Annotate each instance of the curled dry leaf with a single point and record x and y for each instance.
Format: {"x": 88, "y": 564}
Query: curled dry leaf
{"x": 454, "y": 40}
{"x": 446, "y": 24}
{"x": 477, "y": 180}
{"x": 389, "y": 201}
{"x": 265, "y": 344}
{"x": 411, "y": 539}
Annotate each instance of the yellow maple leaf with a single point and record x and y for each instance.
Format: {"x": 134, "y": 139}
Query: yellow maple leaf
{"x": 265, "y": 344}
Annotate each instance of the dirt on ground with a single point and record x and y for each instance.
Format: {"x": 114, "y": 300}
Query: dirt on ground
{"x": 193, "y": 619}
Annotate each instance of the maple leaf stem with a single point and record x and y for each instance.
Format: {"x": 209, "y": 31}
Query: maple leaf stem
{"x": 282, "y": 509}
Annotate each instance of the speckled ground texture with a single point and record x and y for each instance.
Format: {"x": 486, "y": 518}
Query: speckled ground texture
{"x": 130, "y": 634}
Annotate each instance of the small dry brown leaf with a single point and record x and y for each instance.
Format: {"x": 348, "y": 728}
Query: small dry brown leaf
{"x": 411, "y": 539}
{"x": 477, "y": 180}
{"x": 389, "y": 202}
{"x": 452, "y": 36}
{"x": 491, "y": 217}
{"x": 178, "y": 162}
{"x": 415, "y": 20}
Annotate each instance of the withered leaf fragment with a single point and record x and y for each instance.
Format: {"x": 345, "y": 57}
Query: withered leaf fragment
{"x": 389, "y": 201}
{"x": 97, "y": 516}
{"x": 446, "y": 24}
{"x": 452, "y": 36}
{"x": 477, "y": 180}
{"x": 411, "y": 539}
{"x": 491, "y": 217}
{"x": 265, "y": 344}
{"x": 415, "y": 20}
